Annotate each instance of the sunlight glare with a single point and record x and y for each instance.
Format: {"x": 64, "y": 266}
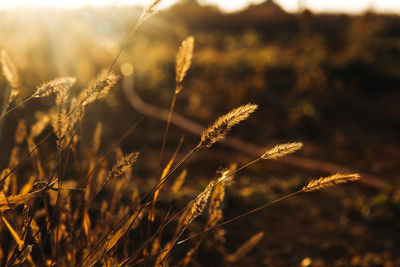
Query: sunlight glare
{"x": 354, "y": 6}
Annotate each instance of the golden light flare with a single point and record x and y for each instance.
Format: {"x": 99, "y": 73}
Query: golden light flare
{"x": 355, "y": 6}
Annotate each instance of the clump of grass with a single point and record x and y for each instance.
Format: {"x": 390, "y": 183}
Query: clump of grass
{"x": 59, "y": 223}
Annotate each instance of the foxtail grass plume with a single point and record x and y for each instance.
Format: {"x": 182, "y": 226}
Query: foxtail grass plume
{"x": 183, "y": 61}
{"x": 11, "y": 74}
{"x": 196, "y": 208}
{"x": 215, "y": 214}
{"x": 59, "y": 113}
{"x": 53, "y": 86}
{"x": 123, "y": 164}
{"x": 281, "y": 150}
{"x": 330, "y": 181}
{"x": 191, "y": 212}
{"x": 9, "y": 70}
{"x": 200, "y": 204}
{"x": 151, "y": 9}
{"x": 223, "y": 124}
{"x": 99, "y": 88}
{"x": 148, "y": 12}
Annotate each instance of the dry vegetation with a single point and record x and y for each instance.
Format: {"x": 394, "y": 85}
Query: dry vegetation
{"x": 70, "y": 197}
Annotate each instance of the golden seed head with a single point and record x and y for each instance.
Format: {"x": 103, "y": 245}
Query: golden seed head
{"x": 329, "y": 181}
{"x": 281, "y": 150}
{"x": 223, "y": 124}
{"x": 53, "y": 86}
{"x": 215, "y": 213}
{"x": 183, "y": 61}
{"x": 196, "y": 208}
{"x": 148, "y": 12}
{"x": 99, "y": 88}
{"x": 123, "y": 164}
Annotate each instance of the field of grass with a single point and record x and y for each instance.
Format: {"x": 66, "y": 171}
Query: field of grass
{"x": 192, "y": 137}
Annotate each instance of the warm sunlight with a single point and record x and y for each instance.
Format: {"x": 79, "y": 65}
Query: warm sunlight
{"x": 199, "y": 133}
{"x": 353, "y": 6}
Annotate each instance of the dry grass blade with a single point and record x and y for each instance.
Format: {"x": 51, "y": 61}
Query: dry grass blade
{"x": 28, "y": 185}
{"x": 13, "y": 232}
{"x": 282, "y": 150}
{"x": 166, "y": 170}
{"x": 330, "y": 181}
{"x": 5, "y": 184}
{"x": 183, "y": 61}
{"x": 7, "y": 203}
{"x": 53, "y": 86}
{"x": 97, "y": 137}
{"x": 20, "y": 243}
{"x": 245, "y": 248}
{"x": 180, "y": 180}
{"x": 223, "y": 124}
{"x": 39, "y": 126}
{"x": 112, "y": 240}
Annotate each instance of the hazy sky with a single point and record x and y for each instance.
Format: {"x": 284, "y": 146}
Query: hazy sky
{"x": 229, "y": 5}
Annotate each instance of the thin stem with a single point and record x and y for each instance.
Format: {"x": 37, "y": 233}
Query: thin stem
{"x": 162, "y": 181}
{"x": 240, "y": 216}
{"x": 202, "y": 193}
{"x": 14, "y": 107}
{"x": 192, "y": 201}
{"x": 167, "y": 128}
{"x": 239, "y": 169}
{"x": 214, "y": 227}
{"x": 124, "y": 42}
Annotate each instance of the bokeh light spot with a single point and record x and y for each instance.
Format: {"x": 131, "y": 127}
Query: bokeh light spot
{"x": 126, "y": 69}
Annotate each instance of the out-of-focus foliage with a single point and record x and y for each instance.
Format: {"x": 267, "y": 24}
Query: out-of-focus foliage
{"x": 329, "y": 80}
{"x": 315, "y": 76}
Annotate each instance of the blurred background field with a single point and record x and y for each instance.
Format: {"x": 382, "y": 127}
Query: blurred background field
{"x": 331, "y": 81}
